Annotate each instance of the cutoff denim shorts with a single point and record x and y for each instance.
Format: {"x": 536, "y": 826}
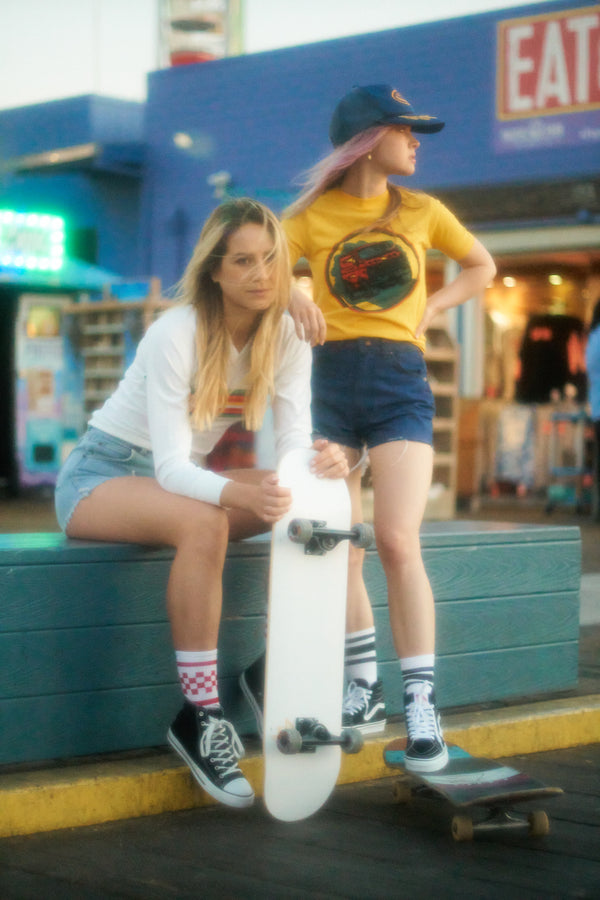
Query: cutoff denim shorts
{"x": 370, "y": 391}
{"x": 96, "y": 458}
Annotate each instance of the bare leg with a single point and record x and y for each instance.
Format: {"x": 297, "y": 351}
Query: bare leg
{"x": 138, "y": 510}
{"x": 359, "y": 615}
{"x": 401, "y": 472}
{"x": 363, "y": 705}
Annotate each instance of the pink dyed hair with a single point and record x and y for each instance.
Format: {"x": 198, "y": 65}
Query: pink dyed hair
{"x": 328, "y": 172}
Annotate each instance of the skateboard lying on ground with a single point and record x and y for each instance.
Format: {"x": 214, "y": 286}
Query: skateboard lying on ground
{"x": 483, "y": 792}
{"x": 302, "y": 736}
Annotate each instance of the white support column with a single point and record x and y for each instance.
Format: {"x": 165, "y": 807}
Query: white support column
{"x": 466, "y": 323}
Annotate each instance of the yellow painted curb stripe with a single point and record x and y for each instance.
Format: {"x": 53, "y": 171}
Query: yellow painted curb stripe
{"x": 551, "y": 725}
{"x": 94, "y": 793}
{"x": 534, "y": 731}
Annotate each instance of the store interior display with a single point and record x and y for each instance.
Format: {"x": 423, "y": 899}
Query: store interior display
{"x": 532, "y": 424}
{"x": 551, "y": 357}
{"x": 526, "y": 434}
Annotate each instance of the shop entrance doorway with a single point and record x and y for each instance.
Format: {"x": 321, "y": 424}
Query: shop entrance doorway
{"x": 547, "y": 285}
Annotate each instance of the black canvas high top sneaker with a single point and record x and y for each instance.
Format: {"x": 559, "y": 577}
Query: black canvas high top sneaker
{"x": 209, "y": 745}
{"x": 426, "y": 750}
{"x": 363, "y": 707}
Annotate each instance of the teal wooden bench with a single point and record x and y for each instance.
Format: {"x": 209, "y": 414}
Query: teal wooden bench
{"x": 86, "y": 664}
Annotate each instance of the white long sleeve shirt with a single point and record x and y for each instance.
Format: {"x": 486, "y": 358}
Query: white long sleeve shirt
{"x": 150, "y": 407}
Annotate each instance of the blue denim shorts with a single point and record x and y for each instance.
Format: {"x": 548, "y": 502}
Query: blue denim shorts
{"x": 371, "y": 391}
{"x": 96, "y": 458}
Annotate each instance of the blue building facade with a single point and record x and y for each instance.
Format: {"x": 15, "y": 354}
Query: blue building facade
{"x": 80, "y": 158}
{"x": 518, "y": 161}
{"x": 518, "y": 89}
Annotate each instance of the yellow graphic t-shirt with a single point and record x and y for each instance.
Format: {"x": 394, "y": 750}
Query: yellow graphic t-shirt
{"x": 372, "y": 283}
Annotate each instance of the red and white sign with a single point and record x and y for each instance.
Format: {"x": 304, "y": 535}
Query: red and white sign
{"x": 549, "y": 64}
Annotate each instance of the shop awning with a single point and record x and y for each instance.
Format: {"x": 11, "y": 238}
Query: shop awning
{"x": 124, "y": 158}
{"x": 73, "y": 275}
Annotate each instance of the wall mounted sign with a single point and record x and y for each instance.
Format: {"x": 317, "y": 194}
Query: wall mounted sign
{"x": 548, "y": 80}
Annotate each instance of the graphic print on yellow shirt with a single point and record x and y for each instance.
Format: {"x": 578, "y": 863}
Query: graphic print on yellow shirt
{"x": 372, "y": 271}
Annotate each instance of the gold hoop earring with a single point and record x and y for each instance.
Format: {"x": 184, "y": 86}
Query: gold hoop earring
{"x": 369, "y": 156}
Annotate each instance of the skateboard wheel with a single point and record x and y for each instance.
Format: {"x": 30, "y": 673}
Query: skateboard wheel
{"x": 401, "y": 791}
{"x": 363, "y": 535}
{"x": 352, "y": 740}
{"x": 300, "y": 531}
{"x": 462, "y": 828}
{"x": 289, "y": 740}
{"x": 539, "y": 823}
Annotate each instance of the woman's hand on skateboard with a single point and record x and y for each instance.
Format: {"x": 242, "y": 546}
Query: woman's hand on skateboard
{"x": 330, "y": 461}
{"x": 267, "y": 499}
{"x": 272, "y": 500}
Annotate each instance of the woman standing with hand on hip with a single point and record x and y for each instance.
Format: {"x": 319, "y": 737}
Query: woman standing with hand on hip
{"x": 365, "y": 239}
{"x": 138, "y": 474}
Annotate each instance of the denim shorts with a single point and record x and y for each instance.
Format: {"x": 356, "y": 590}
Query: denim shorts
{"x": 370, "y": 391}
{"x": 96, "y": 458}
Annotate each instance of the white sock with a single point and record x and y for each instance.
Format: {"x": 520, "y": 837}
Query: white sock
{"x": 197, "y": 670}
{"x": 418, "y": 668}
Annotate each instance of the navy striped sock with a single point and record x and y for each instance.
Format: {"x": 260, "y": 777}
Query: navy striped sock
{"x": 360, "y": 658}
{"x": 418, "y": 668}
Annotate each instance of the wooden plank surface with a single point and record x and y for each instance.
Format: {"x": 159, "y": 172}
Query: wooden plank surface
{"x": 77, "y": 595}
{"x": 361, "y": 844}
{"x": 493, "y": 623}
{"x": 45, "y": 547}
{"x": 88, "y": 722}
{"x": 42, "y": 546}
{"x": 84, "y": 632}
{"x": 496, "y": 675}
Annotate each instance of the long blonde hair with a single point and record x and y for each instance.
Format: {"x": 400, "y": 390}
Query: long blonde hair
{"x": 198, "y": 289}
{"x": 329, "y": 173}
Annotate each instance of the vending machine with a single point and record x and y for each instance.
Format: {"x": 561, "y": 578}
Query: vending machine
{"x": 41, "y": 407}
{"x": 48, "y": 409}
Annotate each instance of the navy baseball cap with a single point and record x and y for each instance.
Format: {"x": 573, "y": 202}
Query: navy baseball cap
{"x": 376, "y": 104}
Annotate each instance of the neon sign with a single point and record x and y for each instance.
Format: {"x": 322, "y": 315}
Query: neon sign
{"x": 31, "y": 241}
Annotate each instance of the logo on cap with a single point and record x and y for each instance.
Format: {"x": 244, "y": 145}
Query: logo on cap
{"x": 396, "y": 95}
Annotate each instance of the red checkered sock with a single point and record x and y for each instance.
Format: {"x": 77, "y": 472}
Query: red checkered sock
{"x": 197, "y": 670}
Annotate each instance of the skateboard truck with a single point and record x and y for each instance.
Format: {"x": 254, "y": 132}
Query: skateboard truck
{"x": 535, "y": 823}
{"x": 318, "y": 539}
{"x": 497, "y": 816}
{"x": 308, "y": 734}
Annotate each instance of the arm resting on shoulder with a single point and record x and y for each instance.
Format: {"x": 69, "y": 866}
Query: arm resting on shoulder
{"x": 308, "y": 318}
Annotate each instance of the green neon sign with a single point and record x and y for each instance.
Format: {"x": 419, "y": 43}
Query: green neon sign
{"x": 31, "y": 241}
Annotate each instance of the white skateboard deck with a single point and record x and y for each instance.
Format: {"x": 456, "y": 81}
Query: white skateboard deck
{"x": 305, "y": 642}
